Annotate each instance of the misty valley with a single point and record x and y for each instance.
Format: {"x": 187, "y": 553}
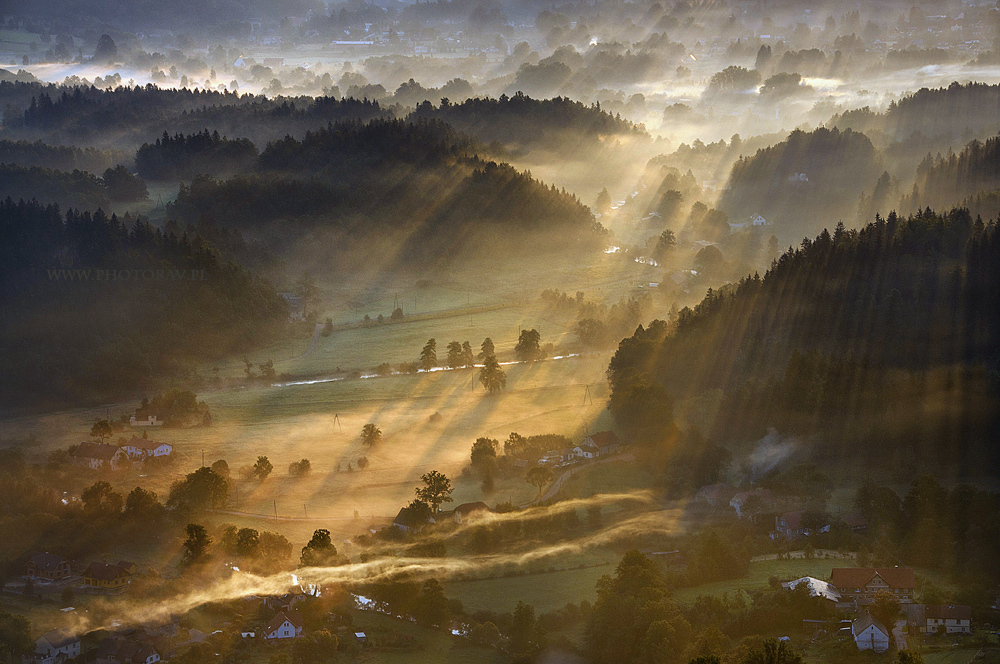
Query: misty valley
{"x": 517, "y": 332}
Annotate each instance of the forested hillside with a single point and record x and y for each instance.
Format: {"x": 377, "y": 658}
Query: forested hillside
{"x": 420, "y": 181}
{"x": 881, "y": 341}
{"x": 127, "y": 117}
{"x": 809, "y": 181}
{"x": 60, "y": 157}
{"x": 971, "y": 177}
{"x": 98, "y": 306}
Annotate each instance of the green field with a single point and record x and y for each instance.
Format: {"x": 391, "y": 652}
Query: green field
{"x": 761, "y": 571}
{"x": 546, "y": 591}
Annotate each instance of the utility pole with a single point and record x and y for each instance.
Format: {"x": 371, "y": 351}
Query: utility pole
{"x": 203, "y": 458}
{"x": 275, "y": 509}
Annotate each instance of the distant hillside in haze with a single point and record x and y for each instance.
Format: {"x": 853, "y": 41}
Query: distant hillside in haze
{"x": 558, "y": 123}
{"x": 811, "y": 180}
{"x": 421, "y": 182}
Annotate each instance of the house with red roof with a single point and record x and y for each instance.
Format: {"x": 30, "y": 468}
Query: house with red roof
{"x": 858, "y": 585}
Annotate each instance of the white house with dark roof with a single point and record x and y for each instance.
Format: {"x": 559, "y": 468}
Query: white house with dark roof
{"x": 56, "y": 646}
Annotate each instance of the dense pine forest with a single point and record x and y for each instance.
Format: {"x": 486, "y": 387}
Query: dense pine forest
{"x": 97, "y": 306}
{"x": 887, "y": 334}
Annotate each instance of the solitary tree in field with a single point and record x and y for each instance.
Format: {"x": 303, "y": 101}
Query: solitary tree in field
{"x": 262, "y": 468}
{"x": 492, "y": 376}
{"x": 527, "y": 348}
{"x": 428, "y": 356}
{"x": 664, "y": 245}
{"x": 101, "y": 429}
{"x": 539, "y": 476}
{"x": 487, "y": 349}
{"x": 319, "y": 551}
{"x": 436, "y": 490}
{"x": 371, "y": 435}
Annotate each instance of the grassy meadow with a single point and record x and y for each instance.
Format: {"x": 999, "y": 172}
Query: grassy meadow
{"x": 429, "y": 420}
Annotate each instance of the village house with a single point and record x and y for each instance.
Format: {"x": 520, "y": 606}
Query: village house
{"x": 141, "y": 448}
{"x": 605, "y": 442}
{"x": 557, "y": 457}
{"x": 145, "y": 417}
{"x": 98, "y": 456}
{"x": 56, "y": 646}
{"x": 105, "y": 576}
{"x": 939, "y": 618}
{"x": 48, "y": 567}
{"x": 465, "y": 510}
{"x": 858, "y": 585}
{"x": 284, "y": 625}
{"x": 126, "y": 651}
{"x": 408, "y": 521}
{"x": 870, "y": 634}
{"x": 789, "y": 525}
{"x": 128, "y": 566}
